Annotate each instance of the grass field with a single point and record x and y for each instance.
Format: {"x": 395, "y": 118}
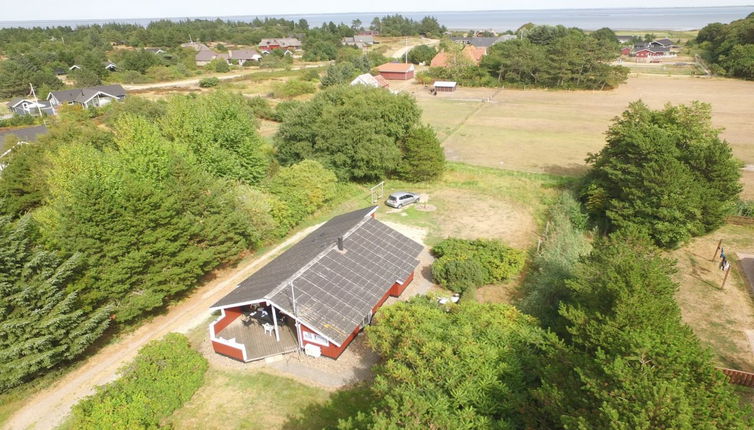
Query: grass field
{"x": 553, "y": 131}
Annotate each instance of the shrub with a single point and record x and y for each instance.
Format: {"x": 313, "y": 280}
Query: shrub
{"x": 304, "y": 187}
{"x": 293, "y": 88}
{"x": 162, "y": 377}
{"x": 284, "y": 107}
{"x": 310, "y": 75}
{"x": 218, "y": 65}
{"x": 209, "y": 82}
{"x": 261, "y": 108}
{"x": 745, "y": 208}
{"x": 493, "y": 262}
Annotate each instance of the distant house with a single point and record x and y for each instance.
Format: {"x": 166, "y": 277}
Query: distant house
{"x": 99, "y": 95}
{"x": 319, "y": 294}
{"x": 473, "y": 53}
{"x": 397, "y": 71}
{"x": 625, "y": 39}
{"x": 244, "y": 55}
{"x": 360, "y": 42}
{"x": 195, "y": 46}
{"x": 111, "y": 67}
{"x": 370, "y": 81}
{"x": 665, "y": 42}
{"x": 651, "y": 49}
{"x": 625, "y": 51}
{"x": 26, "y": 134}
{"x": 287, "y": 43}
{"x": 204, "y": 56}
{"x": 484, "y": 42}
{"x": 25, "y": 106}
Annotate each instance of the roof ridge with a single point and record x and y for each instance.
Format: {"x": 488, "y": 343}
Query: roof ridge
{"x": 316, "y": 259}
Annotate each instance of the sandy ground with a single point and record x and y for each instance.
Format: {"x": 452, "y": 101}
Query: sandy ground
{"x": 48, "y": 408}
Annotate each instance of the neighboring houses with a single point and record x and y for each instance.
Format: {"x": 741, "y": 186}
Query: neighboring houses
{"x": 371, "y": 81}
{"x": 473, "y": 53}
{"x": 665, "y": 42}
{"x": 26, "y": 106}
{"x": 204, "y": 56}
{"x": 319, "y": 294}
{"x": 397, "y": 71}
{"x": 360, "y": 42}
{"x": 99, "y": 95}
{"x": 26, "y": 134}
{"x": 287, "y": 43}
{"x": 484, "y": 42}
{"x": 244, "y": 55}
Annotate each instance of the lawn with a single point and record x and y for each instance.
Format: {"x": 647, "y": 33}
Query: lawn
{"x": 553, "y": 131}
{"x": 721, "y": 317}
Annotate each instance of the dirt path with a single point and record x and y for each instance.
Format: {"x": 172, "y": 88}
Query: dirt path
{"x": 195, "y": 81}
{"x": 400, "y": 53}
{"x": 47, "y": 409}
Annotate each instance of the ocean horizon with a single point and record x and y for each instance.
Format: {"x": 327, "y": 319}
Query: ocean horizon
{"x": 675, "y": 18}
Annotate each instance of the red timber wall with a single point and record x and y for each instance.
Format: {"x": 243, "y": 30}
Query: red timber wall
{"x": 334, "y": 351}
{"x": 397, "y": 76}
{"x": 230, "y": 315}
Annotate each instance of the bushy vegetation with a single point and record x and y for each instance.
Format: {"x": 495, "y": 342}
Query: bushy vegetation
{"x": 466, "y": 368}
{"x": 563, "y": 246}
{"x": 729, "y": 47}
{"x": 665, "y": 172}
{"x": 162, "y": 377}
{"x": 556, "y": 57}
{"x": 398, "y": 25}
{"x": 113, "y": 222}
{"x": 338, "y": 74}
{"x": 423, "y": 157}
{"x": 627, "y": 359}
{"x": 292, "y": 88}
{"x": 40, "y": 321}
{"x": 421, "y": 54}
{"x": 355, "y": 131}
{"x": 462, "y": 264}
{"x": 209, "y": 82}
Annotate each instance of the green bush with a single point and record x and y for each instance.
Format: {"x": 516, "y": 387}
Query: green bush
{"x": 423, "y": 157}
{"x": 218, "y": 65}
{"x": 284, "y": 107}
{"x": 164, "y": 375}
{"x": 745, "y": 208}
{"x": 261, "y": 108}
{"x": 209, "y": 82}
{"x": 304, "y": 188}
{"x": 462, "y": 263}
{"x": 293, "y": 88}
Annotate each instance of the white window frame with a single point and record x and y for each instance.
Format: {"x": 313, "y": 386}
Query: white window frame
{"x": 315, "y": 338}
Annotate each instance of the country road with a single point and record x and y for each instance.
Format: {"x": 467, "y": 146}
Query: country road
{"x": 47, "y": 409}
{"x": 400, "y": 53}
{"x": 193, "y": 82}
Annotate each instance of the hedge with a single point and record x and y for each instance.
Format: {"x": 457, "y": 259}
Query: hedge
{"x": 462, "y": 264}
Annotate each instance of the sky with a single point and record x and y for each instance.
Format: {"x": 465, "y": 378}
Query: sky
{"x": 14, "y": 10}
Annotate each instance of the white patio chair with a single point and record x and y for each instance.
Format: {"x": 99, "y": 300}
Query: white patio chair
{"x": 268, "y": 329}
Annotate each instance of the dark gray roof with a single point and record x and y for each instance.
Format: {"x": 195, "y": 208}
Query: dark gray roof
{"x": 205, "y": 55}
{"x": 665, "y": 42}
{"x": 28, "y": 134}
{"x": 83, "y": 94}
{"x": 334, "y": 290}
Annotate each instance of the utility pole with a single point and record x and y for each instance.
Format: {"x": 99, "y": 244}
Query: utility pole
{"x": 36, "y": 103}
{"x": 406, "y": 51}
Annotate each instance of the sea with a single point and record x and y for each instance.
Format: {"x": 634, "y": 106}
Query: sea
{"x": 677, "y": 18}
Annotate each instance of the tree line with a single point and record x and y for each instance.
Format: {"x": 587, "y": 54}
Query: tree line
{"x": 541, "y": 56}
{"x": 103, "y": 223}
{"x": 729, "y": 47}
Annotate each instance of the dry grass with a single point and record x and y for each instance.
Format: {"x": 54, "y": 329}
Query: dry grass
{"x": 718, "y": 316}
{"x": 553, "y": 131}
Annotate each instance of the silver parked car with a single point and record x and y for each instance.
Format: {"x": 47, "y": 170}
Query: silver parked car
{"x": 401, "y": 198}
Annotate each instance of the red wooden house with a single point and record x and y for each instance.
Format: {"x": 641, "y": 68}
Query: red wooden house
{"x": 397, "y": 71}
{"x": 318, "y": 294}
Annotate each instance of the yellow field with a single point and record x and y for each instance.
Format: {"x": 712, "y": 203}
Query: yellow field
{"x": 553, "y": 131}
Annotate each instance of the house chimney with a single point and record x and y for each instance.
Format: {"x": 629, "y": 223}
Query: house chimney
{"x": 340, "y": 244}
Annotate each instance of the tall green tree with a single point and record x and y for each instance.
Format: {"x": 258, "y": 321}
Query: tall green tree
{"x": 628, "y": 360}
{"x": 666, "y": 172}
{"x": 42, "y": 323}
{"x": 354, "y": 131}
{"x": 423, "y": 157}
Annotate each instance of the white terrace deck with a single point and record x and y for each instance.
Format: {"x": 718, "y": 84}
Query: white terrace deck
{"x": 259, "y": 344}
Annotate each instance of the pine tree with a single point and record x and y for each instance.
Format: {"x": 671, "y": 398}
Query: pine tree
{"x": 41, "y": 322}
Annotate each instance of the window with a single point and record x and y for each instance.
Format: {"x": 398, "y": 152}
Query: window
{"x": 315, "y": 338}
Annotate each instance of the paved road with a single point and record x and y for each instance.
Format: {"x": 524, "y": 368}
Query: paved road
{"x": 48, "y": 408}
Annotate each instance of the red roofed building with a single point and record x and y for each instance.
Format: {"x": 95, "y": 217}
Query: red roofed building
{"x": 473, "y": 53}
{"x": 397, "y": 71}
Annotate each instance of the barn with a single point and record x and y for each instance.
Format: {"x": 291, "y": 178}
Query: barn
{"x": 397, "y": 71}
{"x": 318, "y": 294}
